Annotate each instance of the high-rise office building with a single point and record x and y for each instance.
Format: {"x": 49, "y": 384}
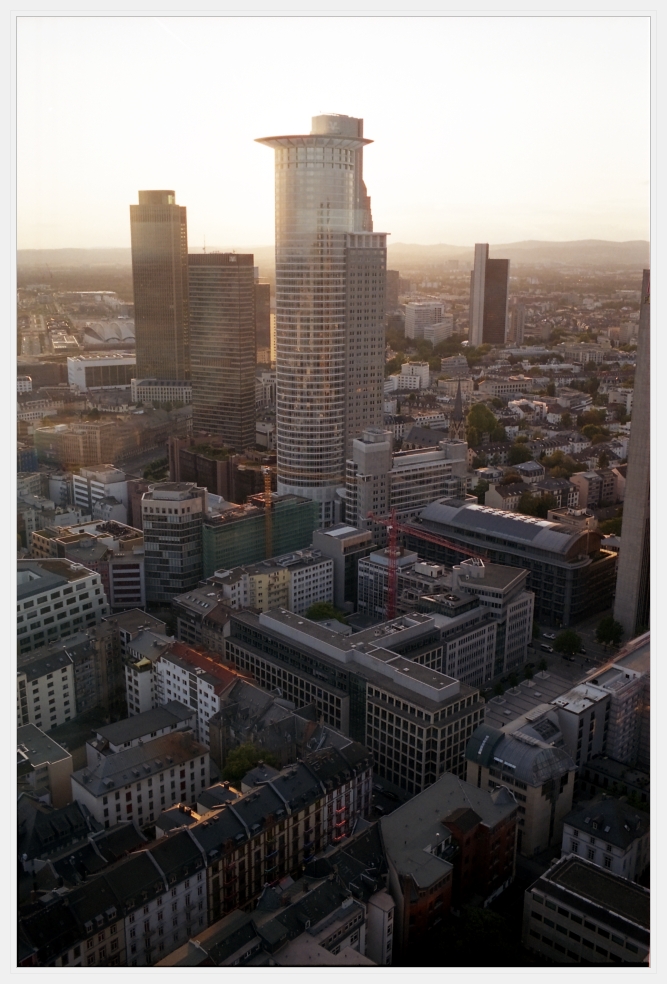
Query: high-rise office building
{"x": 262, "y": 319}
{"x": 330, "y": 303}
{"x": 172, "y": 514}
{"x": 421, "y": 314}
{"x": 391, "y": 294}
{"x": 517, "y": 321}
{"x": 222, "y": 343}
{"x": 158, "y": 228}
{"x": 489, "y": 294}
{"x": 632, "y": 604}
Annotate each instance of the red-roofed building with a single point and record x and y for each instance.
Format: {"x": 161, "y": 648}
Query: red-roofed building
{"x": 197, "y": 678}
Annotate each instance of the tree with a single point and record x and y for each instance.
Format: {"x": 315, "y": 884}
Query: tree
{"x": 509, "y": 478}
{"x": 480, "y": 491}
{"x": 518, "y": 454}
{"x": 611, "y": 527}
{"x": 568, "y": 643}
{"x": 321, "y": 610}
{"x": 513, "y": 679}
{"x": 244, "y": 758}
{"x": 498, "y": 689}
{"x": 566, "y": 420}
{"x": 481, "y": 421}
{"x": 609, "y": 632}
{"x": 531, "y": 505}
{"x": 603, "y": 460}
{"x": 527, "y": 673}
{"x": 536, "y": 630}
{"x": 543, "y": 664}
{"x": 551, "y": 389}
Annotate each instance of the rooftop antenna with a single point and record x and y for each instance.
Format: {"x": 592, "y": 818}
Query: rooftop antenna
{"x": 204, "y": 243}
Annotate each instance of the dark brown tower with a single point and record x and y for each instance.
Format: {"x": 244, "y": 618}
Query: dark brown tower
{"x": 158, "y": 229}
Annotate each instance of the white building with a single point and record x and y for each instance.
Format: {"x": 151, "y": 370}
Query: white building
{"x": 45, "y": 694}
{"x": 414, "y": 370}
{"x": 24, "y": 384}
{"x": 419, "y": 314}
{"x": 379, "y": 480}
{"x": 138, "y": 781}
{"x": 106, "y": 370}
{"x": 438, "y": 333}
{"x": 56, "y": 598}
{"x": 294, "y": 581}
{"x": 611, "y": 834}
{"x": 100, "y": 482}
{"x": 150, "y": 391}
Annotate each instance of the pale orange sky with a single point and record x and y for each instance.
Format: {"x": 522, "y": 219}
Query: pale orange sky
{"x": 485, "y": 129}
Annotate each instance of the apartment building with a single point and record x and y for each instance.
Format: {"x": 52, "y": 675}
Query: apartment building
{"x": 55, "y": 599}
{"x": 139, "y": 781}
{"x": 610, "y": 833}
{"x": 294, "y": 581}
{"x": 110, "y": 548}
{"x": 45, "y": 695}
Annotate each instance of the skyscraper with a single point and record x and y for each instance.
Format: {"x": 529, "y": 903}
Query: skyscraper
{"x": 489, "y": 295}
{"x": 632, "y": 604}
{"x": 330, "y": 302}
{"x": 262, "y": 319}
{"x": 222, "y": 340}
{"x": 158, "y": 228}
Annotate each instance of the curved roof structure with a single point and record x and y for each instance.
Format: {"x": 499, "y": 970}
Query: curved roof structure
{"x": 467, "y": 515}
{"x": 527, "y": 758}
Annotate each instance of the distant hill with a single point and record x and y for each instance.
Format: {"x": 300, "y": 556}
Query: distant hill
{"x": 56, "y": 258}
{"x": 581, "y": 252}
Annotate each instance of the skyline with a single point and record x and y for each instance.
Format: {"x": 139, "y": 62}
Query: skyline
{"x": 545, "y": 106}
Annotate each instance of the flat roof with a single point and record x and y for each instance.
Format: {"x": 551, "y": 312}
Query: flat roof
{"x": 603, "y": 888}
{"x": 37, "y": 747}
{"x": 47, "y": 574}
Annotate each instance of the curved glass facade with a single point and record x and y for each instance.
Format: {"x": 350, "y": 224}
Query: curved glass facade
{"x": 320, "y": 200}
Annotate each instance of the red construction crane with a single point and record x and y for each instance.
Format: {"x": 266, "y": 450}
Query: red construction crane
{"x": 394, "y": 527}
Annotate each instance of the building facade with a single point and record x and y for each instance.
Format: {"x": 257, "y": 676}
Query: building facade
{"x": 489, "y": 298}
{"x": 172, "y": 522}
{"x": 222, "y": 346}
{"x": 632, "y": 603}
{"x": 330, "y": 303}
{"x": 158, "y": 229}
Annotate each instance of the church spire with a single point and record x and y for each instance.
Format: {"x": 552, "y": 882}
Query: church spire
{"x": 457, "y": 420}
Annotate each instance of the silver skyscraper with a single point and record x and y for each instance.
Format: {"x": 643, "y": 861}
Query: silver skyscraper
{"x": 330, "y": 300}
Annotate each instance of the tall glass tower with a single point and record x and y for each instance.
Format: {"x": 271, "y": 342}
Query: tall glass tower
{"x": 222, "y": 342}
{"x": 330, "y": 303}
{"x": 158, "y": 228}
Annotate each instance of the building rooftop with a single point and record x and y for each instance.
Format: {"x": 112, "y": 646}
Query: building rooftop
{"x": 527, "y": 758}
{"x": 539, "y": 534}
{"x": 135, "y": 619}
{"x": 36, "y": 748}
{"x": 139, "y": 762}
{"x": 610, "y": 894}
{"x": 413, "y": 831}
{"x": 615, "y": 821}
{"x": 35, "y": 576}
{"x": 580, "y": 698}
{"x": 169, "y": 715}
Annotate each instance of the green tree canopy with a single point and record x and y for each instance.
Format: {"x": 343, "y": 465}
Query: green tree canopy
{"x": 518, "y": 454}
{"x": 609, "y": 632}
{"x": 568, "y": 643}
{"x": 480, "y": 491}
{"x": 480, "y": 421}
{"x": 244, "y": 758}
{"x": 531, "y": 505}
{"x": 322, "y": 610}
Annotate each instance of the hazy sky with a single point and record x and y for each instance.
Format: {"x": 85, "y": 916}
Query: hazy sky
{"x": 491, "y": 129}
